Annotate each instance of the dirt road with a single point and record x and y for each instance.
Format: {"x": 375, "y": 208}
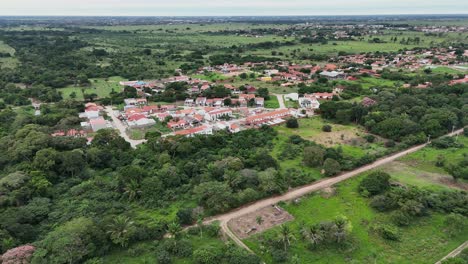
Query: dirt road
{"x": 122, "y": 128}
{"x": 280, "y": 100}
{"x": 301, "y": 191}
{"x": 454, "y": 253}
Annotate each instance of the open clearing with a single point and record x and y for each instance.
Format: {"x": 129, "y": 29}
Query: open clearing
{"x": 101, "y": 87}
{"x": 424, "y": 241}
{"x": 247, "y": 225}
{"x": 414, "y": 176}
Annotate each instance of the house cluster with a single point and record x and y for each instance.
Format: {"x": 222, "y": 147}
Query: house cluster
{"x": 227, "y": 69}
{"x": 241, "y": 100}
{"x": 205, "y": 120}
{"x": 411, "y": 59}
{"x": 270, "y": 118}
{"x": 138, "y": 114}
{"x": 459, "y": 81}
{"x": 441, "y": 29}
{"x": 155, "y": 85}
{"x": 293, "y": 74}
{"x": 94, "y": 119}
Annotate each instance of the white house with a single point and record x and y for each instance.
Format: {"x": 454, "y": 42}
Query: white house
{"x": 309, "y": 102}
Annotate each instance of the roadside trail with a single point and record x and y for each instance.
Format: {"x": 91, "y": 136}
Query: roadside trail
{"x": 122, "y": 128}
{"x": 454, "y": 253}
{"x": 301, "y": 191}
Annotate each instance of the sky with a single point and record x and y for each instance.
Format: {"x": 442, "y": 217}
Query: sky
{"x": 228, "y": 7}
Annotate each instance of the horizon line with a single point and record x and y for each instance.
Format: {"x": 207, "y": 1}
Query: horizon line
{"x": 377, "y": 14}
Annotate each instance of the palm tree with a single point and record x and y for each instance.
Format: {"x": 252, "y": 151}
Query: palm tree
{"x": 132, "y": 190}
{"x": 174, "y": 230}
{"x": 259, "y": 220}
{"x": 120, "y": 230}
{"x": 200, "y": 225}
{"x": 285, "y": 236}
{"x": 340, "y": 231}
{"x": 313, "y": 234}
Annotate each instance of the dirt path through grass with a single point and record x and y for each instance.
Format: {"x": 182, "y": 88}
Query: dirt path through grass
{"x": 301, "y": 191}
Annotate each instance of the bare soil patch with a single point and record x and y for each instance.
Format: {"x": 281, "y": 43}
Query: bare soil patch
{"x": 337, "y": 137}
{"x": 436, "y": 178}
{"x": 328, "y": 192}
{"x": 246, "y": 225}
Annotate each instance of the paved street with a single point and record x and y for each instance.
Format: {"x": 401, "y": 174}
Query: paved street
{"x": 122, "y": 128}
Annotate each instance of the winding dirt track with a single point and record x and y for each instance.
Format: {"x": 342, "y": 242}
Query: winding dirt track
{"x": 301, "y": 191}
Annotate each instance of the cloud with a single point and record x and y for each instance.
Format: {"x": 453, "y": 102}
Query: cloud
{"x": 229, "y": 7}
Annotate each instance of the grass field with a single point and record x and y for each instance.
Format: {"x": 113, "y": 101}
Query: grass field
{"x": 370, "y": 82}
{"x": 138, "y": 133}
{"x": 426, "y": 158}
{"x": 101, "y": 87}
{"x": 10, "y": 62}
{"x": 311, "y": 129}
{"x": 272, "y": 102}
{"x": 424, "y": 241}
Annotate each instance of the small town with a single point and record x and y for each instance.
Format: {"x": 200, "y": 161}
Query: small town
{"x": 244, "y": 107}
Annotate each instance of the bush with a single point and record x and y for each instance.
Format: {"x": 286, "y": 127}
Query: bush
{"x": 390, "y": 144}
{"x": 455, "y": 224}
{"x": 292, "y": 123}
{"x": 383, "y": 203}
{"x": 375, "y": 183}
{"x": 465, "y": 132}
{"x": 212, "y": 230}
{"x": 207, "y": 255}
{"x": 279, "y": 255}
{"x": 389, "y": 232}
{"x": 296, "y": 139}
{"x": 313, "y": 156}
{"x": 163, "y": 257}
{"x": 327, "y": 128}
{"x": 445, "y": 142}
{"x": 185, "y": 216}
{"x": 440, "y": 161}
{"x": 331, "y": 167}
{"x": 369, "y": 138}
{"x": 401, "y": 218}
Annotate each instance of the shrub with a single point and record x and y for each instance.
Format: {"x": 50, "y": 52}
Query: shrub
{"x": 313, "y": 156}
{"x": 279, "y": 255}
{"x": 296, "y": 139}
{"x": 207, "y": 255}
{"x": 401, "y": 218}
{"x": 455, "y": 224}
{"x": 331, "y": 167}
{"x": 389, "y": 232}
{"x": 465, "y": 132}
{"x": 185, "y": 216}
{"x": 383, "y": 203}
{"x": 375, "y": 183}
{"x": 292, "y": 123}
{"x": 445, "y": 142}
{"x": 390, "y": 144}
{"x": 327, "y": 128}
{"x": 369, "y": 138}
{"x": 212, "y": 230}
{"x": 163, "y": 257}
